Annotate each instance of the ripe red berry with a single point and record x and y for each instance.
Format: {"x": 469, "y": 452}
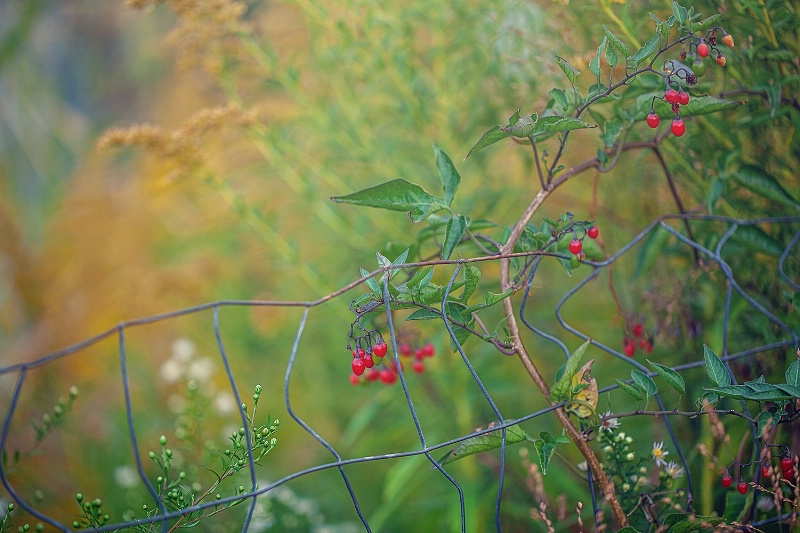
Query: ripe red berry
{"x": 358, "y": 352}
{"x": 380, "y": 349}
{"x": 671, "y": 96}
{"x": 766, "y": 471}
{"x": 703, "y": 49}
{"x": 575, "y": 247}
{"x": 638, "y": 329}
{"x": 742, "y": 487}
{"x": 369, "y": 362}
{"x": 405, "y": 349}
{"x": 428, "y": 350}
{"x": 721, "y": 60}
{"x": 683, "y": 98}
{"x": 629, "y": 347}
{"x": 646, "y": 345}
{"x": 653, "y": 120}
{"x": 387, "y": 376}
{"x": 418, "y": 367}
{"x": 726, "y": 480}
{"x": 678, "y": 127}
{"x": 728, "y": 39}
{"x": 358, "y": 366}
{"x": 373, "y": 375}
{"x": 355, "y": 380}
{"x": 787, "y": 467}
{"x": 593, "y": 232}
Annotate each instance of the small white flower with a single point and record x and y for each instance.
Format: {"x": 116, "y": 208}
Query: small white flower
{"x": 659, "y": 453}
{"x": 126, "y": 476}
{"x": 608, "y": 423}
{"x": 630, "y": 457}
{"x": 171, "y": 370}
{"x": 201, "y": 370}
{"x": 224, "y": 403}
{"x": 673, "y": 470}
{"x": 583, "y": 466}
{"x": 183, "y": 349}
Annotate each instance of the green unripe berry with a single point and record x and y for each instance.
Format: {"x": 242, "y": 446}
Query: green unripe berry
{"x": 76, "y": 524}
{"x": 163, "y": 440}
{"x": 258, "y": 389}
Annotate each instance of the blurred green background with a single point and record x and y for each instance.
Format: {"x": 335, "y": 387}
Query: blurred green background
{"x": 163, "y": 156}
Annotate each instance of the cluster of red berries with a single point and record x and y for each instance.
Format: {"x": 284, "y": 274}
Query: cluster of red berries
{"x": 787, "y": 469}
{"x": 426, "y": 350}
{"x": 365, "y": 366}
{"x": 576, "y": 244}
{"x": 629, "y": 343}
{"x": 676, "y": 98}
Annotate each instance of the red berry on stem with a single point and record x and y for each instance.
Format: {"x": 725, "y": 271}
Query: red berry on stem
{"x": 575, "y": 247}
{"x": 742, "y": 487}
{"x": 721, "y": 60}
{"x": 358, "y": 366}
{"x": 726, "y": 480}
{"x": 428, "y": 350}
{"x": 703, "y": 49}
{"x": 593, "y": 232}
{"x": 405, "y": 349}
{"x": 354, "y": 379}
{"x": 358, "y": 352}
{"x": 678, "y": 127}
{"x": 629, "y": 347}
{"x": 671, "y": 96}
{"x": 638, "y": 329}
{"x": 373, "y": 375}
{"x": 387, "y": 376}
{"x": 369, "y": 362}
{"x": 653, "y": 120}
{"x": 418, "y": 367}
{"x": 728, "y": 39}
{"x": 683, "y": 98}
{"x": 766, "y": 471}
{"x": 380, "y": 349}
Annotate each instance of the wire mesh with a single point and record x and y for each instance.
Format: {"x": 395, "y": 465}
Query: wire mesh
{"x": 161, "y": 520}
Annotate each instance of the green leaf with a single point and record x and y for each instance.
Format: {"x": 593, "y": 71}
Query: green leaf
{"x": 421, "y": 278}
{"x": 757, "y": 240}
{"x": 673, "y": 518}
{"x": 384, "y": 262}
{"x": 700, "y": 523}
{"x": 471, "y": 276}
{"x": 452, "y": 235}
{"x": 423, "y": 314}
{"x": 545, "y": 451}
{"x": 553, "y": 124}
{"x": 793, "y": 373}
{"x": 679, "y": 12}
{"x": 490, "y": 300}
{"x": 737, "y": 506}
{"x": 490, "y": 137}
{"x": 484, "y": 443}
{"x": 448, "y": 174}
{"x": 611, "y": 56}
{"x": 633, "y": 390}
{"x": 764, "y": 418}
{"x": 791, "y": 390}
{"x": 644, "y": 381}
{"x": 628, "y": 529}
{"x": 560, "y": 391}
{"x": 371, "y": 283}
{"x": 398, "y": 478}
{"x": 616, "y": 43}
{"x": 735, "y": 392}
{"x": 765, "y": 185}
{"x": 594, "y": 64}
{"x": 652, "y": 250}
{"x": 560, "y": 98}
{"x": 716, "y": 368}
{"x": 568, "y": 70}
{"x": 707, "y": 22}
{"x": 395, "y": 195}
{"x": 523, "y": 127}
{"x": 649, "y": 47}
{"x": 672, "y": 378}
{"x": 611, "y": 131}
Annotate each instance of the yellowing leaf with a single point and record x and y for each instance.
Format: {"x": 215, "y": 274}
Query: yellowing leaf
{"x": 587, "y": 395}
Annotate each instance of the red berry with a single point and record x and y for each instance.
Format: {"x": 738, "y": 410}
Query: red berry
{"x": 380, "y": 349}
{"x": 703, "y": 49}
{"x": 742, "y": 487}
{"x": 766, "y": 471}
{"x": 387, "y": 376}
{"x": 629, "y": 347}
{"x": 593, "y": 232}
{"x": 358, "y": 352}
{"x": 653, "y": 120}
{"x": 721, "y": 60}
{"x": 428, "y": 350}
{"x": 638, "y": 329}
{"x": 645, "y": 345}
{"x": 373, "y": 375}
{"x": 575, "y": 247}
{"x": 369, "y": 362}
{"x": 418, "y": 367}
{"x": 405, "y": 349}
{"x": 354, "y": 379}
{"x": 358, "y": 366}
{"x": 419, "y": 354}
{"x": 671, "y": 96}
{"x": 678, "y": 127}
{"x": 726, "y": 480}
{"x": 787, "y": 463}
{"x": 683, "y": 98}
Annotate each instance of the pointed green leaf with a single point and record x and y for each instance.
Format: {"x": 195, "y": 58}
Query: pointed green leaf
{"x": 560, "y": 98}
{"x": 616, "y": 43}
{"x": 568, "y": 70}
{"x": 371, "y": 283}
{"x": 672, "y": 378}
{"x": 793, "y": 373}
{"x": 700, "y": 523}
{"x": 634, "y": 390}
{"x": 421, "y": 278}
{"x": 471, "y": 276}
{"x": 523, "y": 127}
{"x": 553, "y": 124}
{"x": 484, "y": 443}
{"x": 594, "y": 64}
{"x": 395, "y": 195}
{"x": 490, "y": 300}
{"x": 644, "y": 381}
{"x": 764, "y": 418}
{"x": 737, "y": 507}
{"x": 649, "y": 47}
{"x": 735, "y": 392}
{"x": 716, "y": 368}
{"x": 707, "y": 22}
{"x": 448, "y": 174}
{"x": 764, "y": 185}
{"x": 679, "y": 12}
{"x": 652, "y": 250}
{"x": 560, "y": 391}
{"x": 423, "y": 314}
{"x": 384, "y": 262}
{"x": 791, "y": 390}
{"x": 490, "y": 137}
{"x": 757, "y": 240}
{"x": 611, "y": 56}
{"x": 544, "y": 451}
{"x": 452, "y": 235}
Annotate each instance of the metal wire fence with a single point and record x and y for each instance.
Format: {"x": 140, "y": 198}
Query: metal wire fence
{"x": 164, "y": 517}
